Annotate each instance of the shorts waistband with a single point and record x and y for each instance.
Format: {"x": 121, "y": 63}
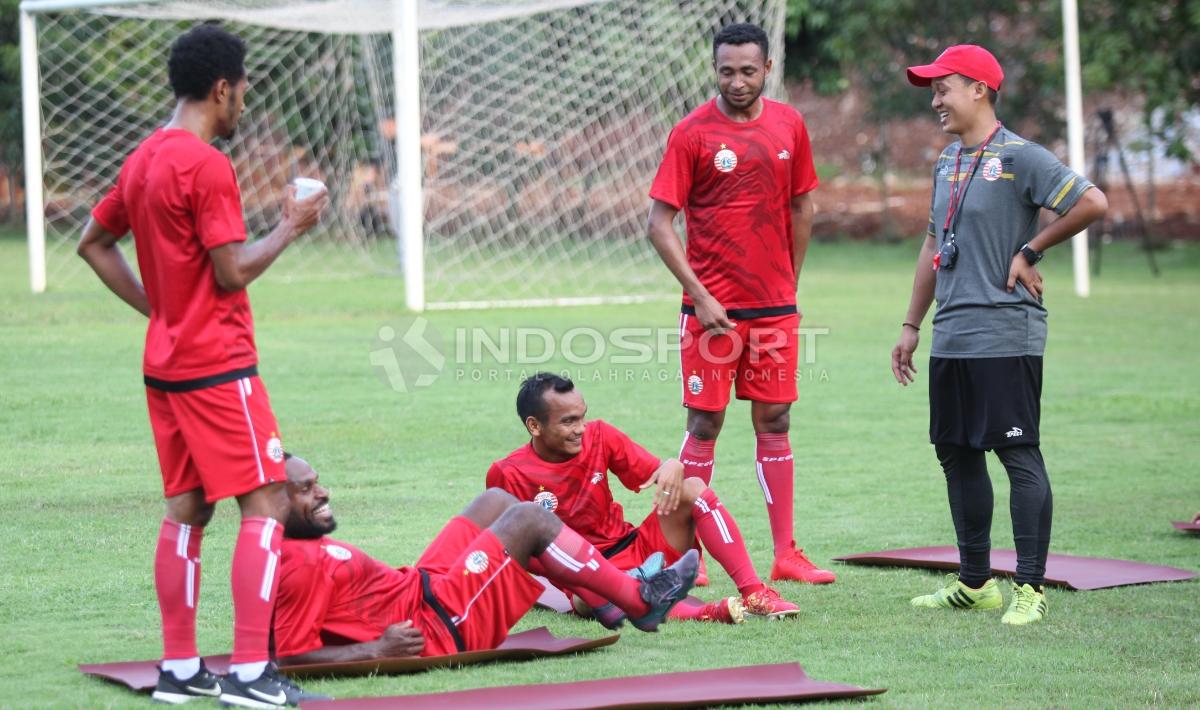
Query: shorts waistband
{"x": 447, "y": 620}
{"x": 620, "y": 545}
{"x": 747, "y": 313}
{"x": 200, "y": 382}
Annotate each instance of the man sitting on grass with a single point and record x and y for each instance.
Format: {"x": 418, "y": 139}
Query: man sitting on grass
{"x": 470, "y": 586}
{"x": 565, "y": 467}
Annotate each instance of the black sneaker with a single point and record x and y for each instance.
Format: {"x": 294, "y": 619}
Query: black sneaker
{"x": 173, "y": 691}
{"x": 666, "y": 589}
{"x": 272, "y": 689}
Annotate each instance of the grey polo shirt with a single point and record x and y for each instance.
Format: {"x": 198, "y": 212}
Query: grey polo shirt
{"x": 976, "y": 316}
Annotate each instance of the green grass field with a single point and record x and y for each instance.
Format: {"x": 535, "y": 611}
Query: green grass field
{"x": 1121, "y": 421}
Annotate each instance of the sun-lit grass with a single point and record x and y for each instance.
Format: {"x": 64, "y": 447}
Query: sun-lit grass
{"x": 1121, "y": 422}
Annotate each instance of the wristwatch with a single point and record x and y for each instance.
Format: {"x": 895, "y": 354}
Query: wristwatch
{"x": 1031, "y": 256}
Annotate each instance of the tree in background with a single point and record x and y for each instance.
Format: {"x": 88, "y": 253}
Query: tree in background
{"x": 10, "y": 106}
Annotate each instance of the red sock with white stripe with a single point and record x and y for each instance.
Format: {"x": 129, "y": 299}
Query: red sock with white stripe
{"x": 590, "y": 598}
{"x": 254, "y": 580}
{"x": 696, "y": 455}
{"x": 773, "y": 459}
{"x": 177, "y": 581}
{"x": 719, "y": 534}
{"x": 571, "y": 561}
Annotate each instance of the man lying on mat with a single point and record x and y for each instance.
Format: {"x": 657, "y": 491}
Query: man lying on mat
{"x": 336, "y": 603}
{"x": 565, "y": 468}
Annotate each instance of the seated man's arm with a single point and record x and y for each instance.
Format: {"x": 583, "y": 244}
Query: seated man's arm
{"x": 400, "y": 640}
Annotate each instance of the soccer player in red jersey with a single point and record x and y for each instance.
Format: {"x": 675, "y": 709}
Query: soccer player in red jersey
{"x": 470, "y": 586}
{"x": 741, "y": 169}
{"x": 565, "y": 468}
{"x": 212, "y": 422}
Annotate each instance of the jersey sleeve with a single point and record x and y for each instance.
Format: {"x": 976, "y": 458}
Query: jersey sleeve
{"x": 804, "y": 172}
{"x": 217, "y": 203}
{"x": 1043, "y": 181}
{"x": 673, "y": 181}
{"x": 111, "y": 214}
{"x": 931, "y": 230}
{"x": 300, "y": 608}
{"x": 626, "y": 458}
{"x": 496, "y": 477}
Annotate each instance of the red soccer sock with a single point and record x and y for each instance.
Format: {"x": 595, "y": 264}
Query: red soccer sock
{"x": 719, "y": 534}
{"x": 254, "y": 579}
{"x": 593, "y": 600}
{"x": 773, "y": 459}
{"x": 696, "y": 455}
{"x": 570, "y": 561}
{"x": 177, "y": 581}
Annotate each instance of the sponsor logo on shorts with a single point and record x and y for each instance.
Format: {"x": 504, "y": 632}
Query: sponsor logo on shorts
{"x": 725, "y": 160}
{"x": 477, "y": 562}
{"x": 547, "y": 500}
{"x": 337, "y": 552}
{"x": 597, "y": 477}
{"x": 274, "y": 448}
{"x": 1014, "y": 432}
{"x": 695, "y": 385}
{"x": 992, "y": 170}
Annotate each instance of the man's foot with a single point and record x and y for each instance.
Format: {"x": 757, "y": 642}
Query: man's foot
{"x": 723, "y": 611}
{"x": 666, "y": 589}
{"x": 702, "y": 573}
{"x": 956, "y": 595}
{"x": 272, "y": 689}
{"x": 793, "y": 565}
{"x": 767, "y": 603}
{"x": 173, "y": 691}
{"x": 610, "y": 615}
{"x": 1027, "y": 606}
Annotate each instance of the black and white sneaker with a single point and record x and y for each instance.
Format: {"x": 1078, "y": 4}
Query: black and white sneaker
{"x": 173, "y": 691}
{"x": 272, "y": 689}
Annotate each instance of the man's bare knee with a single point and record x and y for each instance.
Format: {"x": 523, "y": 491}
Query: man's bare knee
{"x": 269, "y": 501}
{"x": 705, "y": 425}
{"x": 693, "y": 488}
{"x": 190, "y": 508}
{"x": 489, "y": 506}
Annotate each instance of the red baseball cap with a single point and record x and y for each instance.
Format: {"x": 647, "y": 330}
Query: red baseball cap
{"x": 970, "y": 60}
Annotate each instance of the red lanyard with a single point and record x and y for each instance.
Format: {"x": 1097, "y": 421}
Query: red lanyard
{"x": 957, "y": 194}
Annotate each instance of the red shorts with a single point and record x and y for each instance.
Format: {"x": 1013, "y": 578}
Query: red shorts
{"x": 222, "y": 439}
{"x": 649, "y": 540}
{"x": 483, "y": 590}
{"x": 759, "y": 357}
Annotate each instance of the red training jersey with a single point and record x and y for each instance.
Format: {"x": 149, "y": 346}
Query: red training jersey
{"x": 331, "y": 591}
{"x": 734, "y": 182}
{"x": 577, "y": 490}
{"x": 180, "y": 197}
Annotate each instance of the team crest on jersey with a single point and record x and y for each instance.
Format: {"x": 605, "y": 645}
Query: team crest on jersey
{"x": 992, "y": 169}
{"x": 274, "y": 448}
{"x": 725, "y": 160}
{"x": 785, "y": 155}
{"x": 547, "y": 500}
{"x": 597, "y": 477}
{"x": 695, "y": 385}
{"x": 477, "y": 562}
{"x": 337, "y": 552}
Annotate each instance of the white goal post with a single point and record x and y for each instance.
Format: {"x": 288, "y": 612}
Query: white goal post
{"x": 489, "y": 152}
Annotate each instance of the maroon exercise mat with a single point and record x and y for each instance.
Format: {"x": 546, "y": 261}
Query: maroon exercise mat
{"x": 1186, "y": 527}
{"x": 1080, "y": 573}
{"x": 778, "y": 683}
{"x": 143, "y": 675}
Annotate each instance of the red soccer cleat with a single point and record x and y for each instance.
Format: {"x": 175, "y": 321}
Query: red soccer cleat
{"x": 702, "y": 575}
{"x": 767, "y": 602}
{"x": 723, "y": 611}
{"x": 793, "y": 565}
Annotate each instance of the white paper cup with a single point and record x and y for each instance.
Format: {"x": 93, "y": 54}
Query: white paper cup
{"x": 307, "y": 187}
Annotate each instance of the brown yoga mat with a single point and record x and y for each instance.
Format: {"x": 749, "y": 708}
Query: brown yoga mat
{"x": 777, "y": 683}
{"x": 1081, "y": 573}
{"x": 143, "y": 675}
{"x": 1186, "y": 527}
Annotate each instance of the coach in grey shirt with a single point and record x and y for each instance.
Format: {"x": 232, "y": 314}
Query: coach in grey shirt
{"x": 989, "y": 330}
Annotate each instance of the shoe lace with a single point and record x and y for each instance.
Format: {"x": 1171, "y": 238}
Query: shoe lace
{"x": 797, "y": 557}
{"x": 661, "y": 586}
{"x": 1026, "y": 599}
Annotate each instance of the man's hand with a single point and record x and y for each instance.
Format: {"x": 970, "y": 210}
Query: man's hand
{"x": 304, "y": 214}
{"x": 669, "y": 478}
{"x": 712, "y": 316}
{"x": 401, "y": 640}
{"x": 902, "y": 354}
{"x": 1021, "y": 270}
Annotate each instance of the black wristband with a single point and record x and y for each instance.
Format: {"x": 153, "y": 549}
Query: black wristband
{"x": 910, "y": 325}
{"x": 1031, "y": 255}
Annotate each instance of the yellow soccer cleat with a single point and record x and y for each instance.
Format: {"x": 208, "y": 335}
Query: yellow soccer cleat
{"x": 1027, "y": 606}
{"x": 956, "y": 595}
